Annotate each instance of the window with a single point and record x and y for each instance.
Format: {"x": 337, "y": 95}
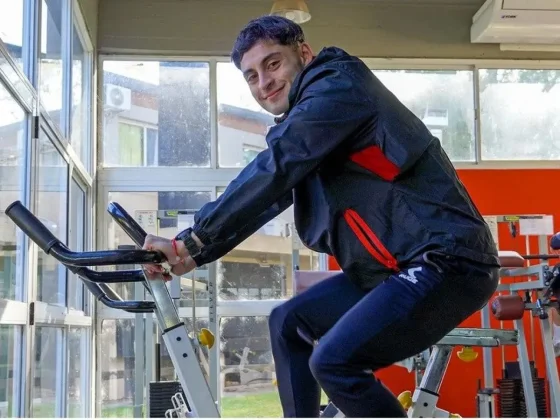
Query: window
{"x": 138, "y": 145}
{"x": 156, "y": 114}
{"x": 77, "y": 237}
{"x": 250, "y": 153}
{"x": 520, "y": 114}
{"x": 81, "y": 111}
{"x": 51, "y": 202}
{"x": 13, "y": 125}
{"x": 117, "y": 363}
{"x": 47, "y": 375}
{"x": 261, "y": 266}
{"x": 443, "y": 100}
{"x": 12, "y": 27}
{"x": 242, "y": 123}
{"x": 51, "y": 74}
{"x": 78, "y": 389}
{"x": 9, "y": 366}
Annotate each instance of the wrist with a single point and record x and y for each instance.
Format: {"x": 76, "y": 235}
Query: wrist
{"x": 180, "y": 249}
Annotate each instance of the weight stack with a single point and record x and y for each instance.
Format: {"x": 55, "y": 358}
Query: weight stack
{"x": 160, "y": 397}
{"x": 511, "y": 398}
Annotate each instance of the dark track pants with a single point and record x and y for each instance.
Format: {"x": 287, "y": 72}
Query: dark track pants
{"x": 361, "y": 331}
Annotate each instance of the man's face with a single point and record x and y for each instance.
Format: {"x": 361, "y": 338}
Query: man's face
{"x": 270, "y": 70}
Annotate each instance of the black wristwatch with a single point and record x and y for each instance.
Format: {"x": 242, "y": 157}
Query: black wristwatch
{"x": 190, "y": 244}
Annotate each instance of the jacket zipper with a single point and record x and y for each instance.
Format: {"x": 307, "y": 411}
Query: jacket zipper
{"x": 369, "y": 240}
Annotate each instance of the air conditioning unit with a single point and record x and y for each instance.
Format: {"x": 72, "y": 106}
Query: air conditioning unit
{"x": 117, "y": 98}
{"x": 522, "y": 22}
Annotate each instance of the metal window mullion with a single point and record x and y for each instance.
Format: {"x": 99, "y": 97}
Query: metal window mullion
{"x": 31, "y": 33}
{"x": 61, "y": 386}
{"x": 66, "y": 56}
{"x": 477, "y": 122}
{"x": 214, "y": 141}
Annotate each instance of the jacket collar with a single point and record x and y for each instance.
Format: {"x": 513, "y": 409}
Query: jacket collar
{"x": 324, "y": 56}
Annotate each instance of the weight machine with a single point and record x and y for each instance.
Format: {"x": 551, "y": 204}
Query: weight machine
{"x": 539, "y": 295}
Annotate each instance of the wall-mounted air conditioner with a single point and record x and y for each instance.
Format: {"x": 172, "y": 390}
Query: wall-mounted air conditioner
{"x": 534, "y": 22}
{"x": 117, "y": 98}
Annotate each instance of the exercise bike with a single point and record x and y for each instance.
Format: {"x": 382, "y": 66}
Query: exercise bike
{"x": 182, "y": 347}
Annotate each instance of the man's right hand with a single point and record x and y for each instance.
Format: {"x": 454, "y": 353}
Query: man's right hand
{"x": 180, "y": 261}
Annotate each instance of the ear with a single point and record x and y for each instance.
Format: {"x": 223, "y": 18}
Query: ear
{"x": 306, "y": 53}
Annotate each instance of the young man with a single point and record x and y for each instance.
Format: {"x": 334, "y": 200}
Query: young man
{"x": 370, "y": 186}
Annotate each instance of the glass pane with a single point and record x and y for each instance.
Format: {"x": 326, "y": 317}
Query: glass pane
{"x": 12, "y": 154}
{"x": 167, "y": 369}
{"x": 170, "y": 97}
{"x": 117, "y": 362}
{"x": 51, "y": 80}
{"x": 261, "y": 266}
{"x": 77, "y": 392}
{"x": 11, "y": 28}
{"x": 143, "y": 206}
{"x": 47, "y": 373}
{"x": 9, "y": 335}
{"x": 242, "y": 123}
{"x": 520, "y": 114}
{"x": 247, "y": 369}
{"x": 80, "y": 107}
{"x": 76, "y": 238}
{"x": 443, "y": 100}
{"x": 52, "y": 196}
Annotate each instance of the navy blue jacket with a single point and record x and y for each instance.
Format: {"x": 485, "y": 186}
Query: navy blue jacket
{"x": 370, "y": 184}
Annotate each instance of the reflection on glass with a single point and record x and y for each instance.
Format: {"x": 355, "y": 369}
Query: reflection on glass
{"x": 443, "y": 100}
{"x": 51, "y": 185}
{"x": 247, "y": 369}
{"x": 12, "y": 27}
{"x": 117, "y": 363}
{"x": 51, "y": 86}
{"x": 156, "y": 114}
{"x": 520, "y": 114}
{"x": 76, "y": 238}
{"x": 79, "y": 113}
{"x": 144, "y": 206}
{"x": 8, "y": 336}
{"x": 261, "y": 266}
{"x": 76, "y": 394}
{"x": 12, "y": 140}
{"x": 242, "y": 123}
{"x": 47, "y": 373}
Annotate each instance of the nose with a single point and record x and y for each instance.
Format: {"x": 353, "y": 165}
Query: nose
{"x": 265, "y": 81}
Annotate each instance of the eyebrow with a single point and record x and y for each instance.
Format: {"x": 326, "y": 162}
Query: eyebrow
{"x": 264, "y": 60}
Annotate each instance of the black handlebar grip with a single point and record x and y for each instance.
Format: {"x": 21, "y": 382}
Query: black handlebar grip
{"x": 555, "y": 241}
{"x": 31, "y": 226}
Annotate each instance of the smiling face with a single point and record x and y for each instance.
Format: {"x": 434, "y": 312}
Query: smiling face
{"x": 270, "y": 70}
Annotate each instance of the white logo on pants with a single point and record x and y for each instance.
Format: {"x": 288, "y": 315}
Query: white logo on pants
{"x": 410, "y": 276}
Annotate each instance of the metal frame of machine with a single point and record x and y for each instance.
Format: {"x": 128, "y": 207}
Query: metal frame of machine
{"x": 181, "y": 347}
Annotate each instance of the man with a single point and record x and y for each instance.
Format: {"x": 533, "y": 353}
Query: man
{"x": 370, "y": 186}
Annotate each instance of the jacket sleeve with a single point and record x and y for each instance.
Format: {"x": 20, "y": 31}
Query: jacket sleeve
{"x": 216, "y": 250}
{"x": 331, "y": 110}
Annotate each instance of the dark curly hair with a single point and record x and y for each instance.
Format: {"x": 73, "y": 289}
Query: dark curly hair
{"x": 271, "y": 28}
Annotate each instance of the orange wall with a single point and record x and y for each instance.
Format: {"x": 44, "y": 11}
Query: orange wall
{"x": 495, "y": 193}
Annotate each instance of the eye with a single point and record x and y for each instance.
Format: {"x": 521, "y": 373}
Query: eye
{"x": 273, "y": 65}
{"x": 251, "y": 78}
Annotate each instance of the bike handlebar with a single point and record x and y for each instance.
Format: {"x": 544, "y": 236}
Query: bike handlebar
{"x": 77, "y": 262}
